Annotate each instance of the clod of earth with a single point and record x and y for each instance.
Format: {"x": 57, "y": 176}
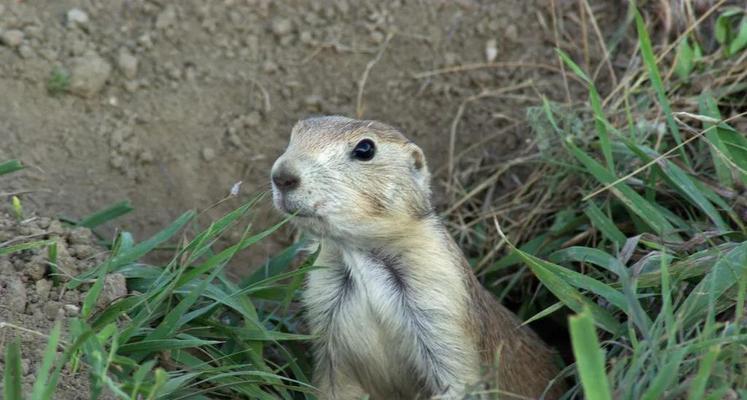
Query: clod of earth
{"x": 88, "y": 75}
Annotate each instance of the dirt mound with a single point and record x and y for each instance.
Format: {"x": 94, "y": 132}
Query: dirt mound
{"x": 33, "y": 296}
{"x": 170, "y": 103}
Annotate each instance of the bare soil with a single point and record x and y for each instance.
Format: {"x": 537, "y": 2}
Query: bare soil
{"x": 33, "y": 297}
{"x": 168, "y": 104}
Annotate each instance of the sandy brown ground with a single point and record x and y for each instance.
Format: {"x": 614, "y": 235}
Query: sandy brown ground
{"x": 32, "y": 297}
{"x": 173, "y": 102}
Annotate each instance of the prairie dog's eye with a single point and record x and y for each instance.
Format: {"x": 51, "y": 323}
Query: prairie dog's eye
{"x": 364, "y": 150}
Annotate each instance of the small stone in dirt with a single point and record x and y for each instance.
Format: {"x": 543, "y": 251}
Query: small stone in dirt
{"x": 511, "y": 33}
{"x": 306, "y": 38}
{"x": 313, "y": 102}
{"x": 174, "y": 72}
{"x": 491, "y": 50}
{"x": 166, "y": 18}
{"x": 77, "y": 18}
{"x": 16, "y": 294}
{"x": 376, "y": 37}
{"x": 281, "y": 26}
{"x": 88, "y": 75}
{"x": 25, "y": 52}
{"x": 52, "y": 309}
{"x": 115, "y": 286}
{"x": 127, "y": 64}
{"x": 25, "y": 366}
{"x": 12, "y": 38}
{"x": 145, "y": 41}
{"x": 55, "y": 227}
{"x": 146, "y": 157}
{"x": 131, "y": 86}
{"x": 37, "y": 267}
{"x": 253, "y": 119}
{"x": 82, "y": 251}
{"x": 43, "y": 222}
{"x": 208, "y": 154}
{"x": 43, "y": 286}
{"x": 6, "y": 266}
{"x": 116, "y": 161}
{"x": 71, "y": 310}
{"x": 80, "y": 235}
{"x": 269, "y": 67}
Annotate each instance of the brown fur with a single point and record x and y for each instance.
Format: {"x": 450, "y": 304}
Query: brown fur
{"x": 397, "y": 310}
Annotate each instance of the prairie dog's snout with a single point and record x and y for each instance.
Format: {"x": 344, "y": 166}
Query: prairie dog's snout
{"x": 286, "y": 183}
{"x": 284, "y": 178}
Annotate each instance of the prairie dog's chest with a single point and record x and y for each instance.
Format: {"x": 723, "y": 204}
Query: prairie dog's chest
{"x": 356, "y": 307}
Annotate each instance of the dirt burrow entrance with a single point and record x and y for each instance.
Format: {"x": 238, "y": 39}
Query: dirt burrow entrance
{"x": 168, "y": 104}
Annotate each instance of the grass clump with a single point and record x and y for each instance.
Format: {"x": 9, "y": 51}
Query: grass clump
{"x": 59, "y": 81}
{"x": 185, "y": 330}
{"x": 646, "y": 235}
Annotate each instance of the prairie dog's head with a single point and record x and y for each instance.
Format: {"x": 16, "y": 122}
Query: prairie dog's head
{"x": 354, "y": 179}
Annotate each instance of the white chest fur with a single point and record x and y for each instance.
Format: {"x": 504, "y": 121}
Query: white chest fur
{"x": 386, "y": 326}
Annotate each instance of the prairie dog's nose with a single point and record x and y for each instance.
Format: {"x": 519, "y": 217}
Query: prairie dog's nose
{"x": 285, "y": 178}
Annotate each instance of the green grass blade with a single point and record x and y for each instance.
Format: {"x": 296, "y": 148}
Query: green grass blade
{"x": 226, "y": 254}
{"x": 632, "y": 200}
{"x": 698, "y": 385}
{"x": 740, "y": 39}
{"x": 12, "y": 378}
{"x": 707, "y": 106}
{"x": 10, "y": 166}
{"x": 275, "y": 265}
{"x": 605, "y": 225}
{"x": 139, "y": 376}
{"x": 565, "y": 292}
{"x": 681, "y": 181}
{"x": 201, "y": 243}
{"x": 25, "y": 246}
{"x": 89, "y": 303}
{"x": 107, "y": 214}
{"x": 649, "y": 59}
{"x": 736, "y": 146}
{"x": 66, "y": 356}
{"x": 589, "y": 255}
{"x": 170, "y": 323}
{"x": 626, "y": 301}
{"x": 573, "y": 66}
{"x": 667, "y": 311}
{"x": 725, "y": 273}
{"x": 666, "y": 376}
{"x": 539, "y": 246}
{"x": 50, "y": 353}
{"x": 600, "y": 120}
{"x": 542, "y": 314}
{"x": 134, "y": 253}
{"x": 685, "y": 60}
{"x": 164, "y": 344}
{"x": 589, "y": 357}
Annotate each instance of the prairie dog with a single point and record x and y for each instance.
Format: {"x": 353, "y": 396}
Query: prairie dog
{"x": 395, "y": 308}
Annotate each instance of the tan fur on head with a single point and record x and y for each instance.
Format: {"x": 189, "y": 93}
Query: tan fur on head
{"x": 395, "y": 308}
{"x": 339, "y": 195}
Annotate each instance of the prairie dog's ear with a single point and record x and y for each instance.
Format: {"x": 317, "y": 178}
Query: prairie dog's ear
{"x": 419, "y": 167}
{"x": 300, "y": 125}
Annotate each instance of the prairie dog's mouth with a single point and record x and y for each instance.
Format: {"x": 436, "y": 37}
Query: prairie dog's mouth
{"x": 287, "y": 207}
